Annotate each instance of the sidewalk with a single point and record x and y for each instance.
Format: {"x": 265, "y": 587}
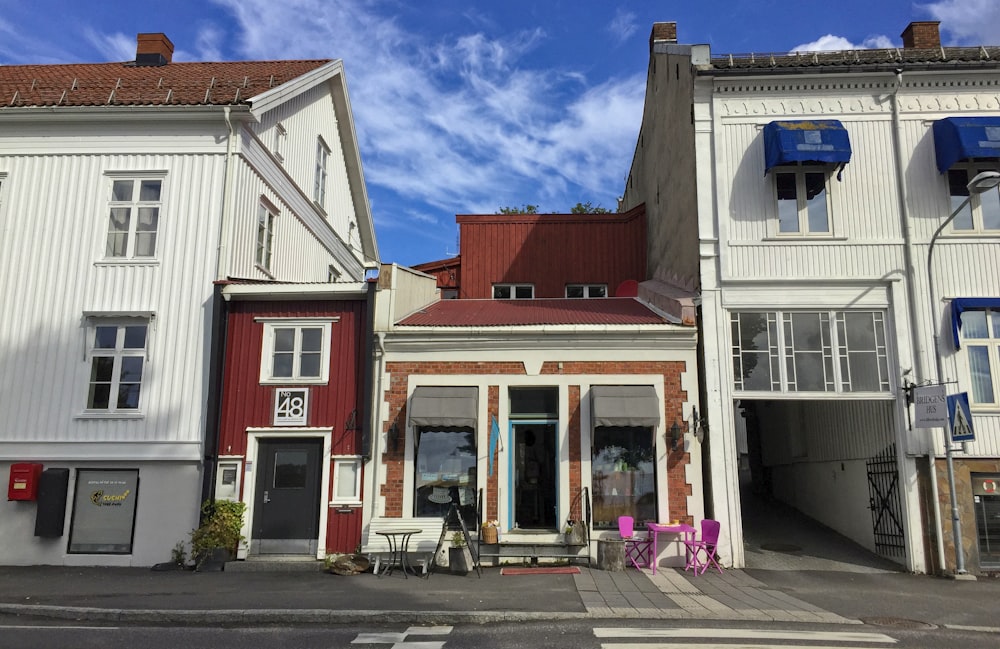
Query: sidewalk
{"x": 141, "y": 596}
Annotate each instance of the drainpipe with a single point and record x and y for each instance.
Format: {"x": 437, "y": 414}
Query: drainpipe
{"x": 213, "y": 410}
{"x": 367, "y": 378}
{"x": 919, "y": 350}
{"x": 225, "y": 222}
{"x": 378, "y": 348}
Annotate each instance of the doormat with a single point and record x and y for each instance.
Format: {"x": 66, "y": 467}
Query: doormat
{"x": 542, "y": 570}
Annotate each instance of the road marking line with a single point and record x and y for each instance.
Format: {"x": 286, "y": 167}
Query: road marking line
{"x": 428, "y": 630}
{"x": 727, "y": 645}
{"x": 824, "y": 636}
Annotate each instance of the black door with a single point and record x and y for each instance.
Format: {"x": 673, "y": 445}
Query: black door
{"x": 286, "y": 503}
{"x": 535, "y": 464}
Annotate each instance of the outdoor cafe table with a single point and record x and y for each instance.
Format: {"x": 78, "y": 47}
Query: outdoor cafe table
{"x": 655, "y": 529}
{"x": 399, "y": 547}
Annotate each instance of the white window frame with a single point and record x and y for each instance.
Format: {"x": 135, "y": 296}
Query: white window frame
{"x": 975, "y": 206}
{"x": 513, "y": 290}
{"x": 267, "y": 350}
{"x": 280, "y": 136}
{"x": 587, "y": 290}
{"x": 267, "y": 215}
{"x": 835, "y": 350}
{"x": 319, "y": 182}
{"x": 800, "y": 172}
{"x": 134, "y": 205}
{"x": 992, "y": 345}
{"x": 340, "y": 461}
{"x": 118, "y": 354}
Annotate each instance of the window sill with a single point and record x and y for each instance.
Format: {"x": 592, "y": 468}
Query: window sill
{"x": 127, "y": 262}
{"x": 320, "y": 209}
{"x": 109, "y": 415}
{"x": 264, "y": 270}
{"x": 804, "y": 239}
{"x": 293, "y": 382}
{"x": 352, "y": 503}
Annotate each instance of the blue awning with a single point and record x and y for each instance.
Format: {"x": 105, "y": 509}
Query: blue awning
{"x": 960, "y": 304}
{"x": 963, "y": 138}
{"x": 815, "y": 140}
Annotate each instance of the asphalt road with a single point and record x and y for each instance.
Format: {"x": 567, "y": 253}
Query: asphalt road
{"x": 40, "y": 634}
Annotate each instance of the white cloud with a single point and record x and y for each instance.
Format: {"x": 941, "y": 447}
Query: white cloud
{"x": 969, "y": 22}
{"x": 623, "y": 25}
{"x": 831, "y": 43}
{"x": 113, "y": 47}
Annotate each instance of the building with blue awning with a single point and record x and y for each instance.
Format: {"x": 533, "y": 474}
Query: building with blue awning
{"x": 823, "y": 141}
{"x": 959, "y": 139}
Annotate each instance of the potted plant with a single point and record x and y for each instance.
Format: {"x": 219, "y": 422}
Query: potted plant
{"x": 459, "y": 558}
{"x": 489, "y": 532}
{"x": 216, "y": 540}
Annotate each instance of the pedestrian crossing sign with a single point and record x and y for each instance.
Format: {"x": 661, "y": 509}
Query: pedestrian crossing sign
{"x": 960, "y": 418}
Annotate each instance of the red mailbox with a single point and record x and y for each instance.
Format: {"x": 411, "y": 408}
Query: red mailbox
{"x": 23, "y": 483}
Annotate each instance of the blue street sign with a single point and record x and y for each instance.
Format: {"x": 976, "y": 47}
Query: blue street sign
{"x": 960, "y": 417}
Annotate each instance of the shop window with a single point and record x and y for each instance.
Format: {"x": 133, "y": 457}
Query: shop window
{"x": 445, "y": 471}
{"x": 623, "y": 476}
{"x": 986, "y": 499}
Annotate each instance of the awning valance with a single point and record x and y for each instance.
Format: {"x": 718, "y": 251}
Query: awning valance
{"x": 963, "y": 138}
{"x": 624, "y": 405}
{"x": 444, "y": 406}
{"x": 960, "y": 304}
{"x": 813, "y": 140}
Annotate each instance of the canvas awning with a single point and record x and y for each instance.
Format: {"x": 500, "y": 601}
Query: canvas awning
{"x": 624, "y": 405}
{"x": 963, "y": 138}
{"x": 813, "y": 140}
{"x": 960, "y": 304}
{"x": 444, "y": 406}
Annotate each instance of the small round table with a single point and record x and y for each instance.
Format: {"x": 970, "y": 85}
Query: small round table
{"x": 399, "y": 547}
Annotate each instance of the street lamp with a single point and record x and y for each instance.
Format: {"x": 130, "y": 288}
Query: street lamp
{"x": 980, "y": 183}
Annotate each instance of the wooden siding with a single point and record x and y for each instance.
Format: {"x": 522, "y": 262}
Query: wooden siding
{"x": 247, "y": 403}
{"x": 551, "y": 251}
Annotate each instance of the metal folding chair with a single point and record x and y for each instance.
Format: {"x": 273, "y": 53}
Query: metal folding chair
{"x": 702, "y": 551}
{"x": 637, "y": 551}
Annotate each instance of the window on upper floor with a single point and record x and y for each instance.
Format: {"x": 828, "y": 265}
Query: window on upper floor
{"x": 803, "y": 200}
{"x": 134, "y": 218}
{"x": 279, "y": 142}
{"x": 117, "y": 357}
{"x": 319, "y": 183}
{"x": 513, "y": 291}
{"x": 265, "y": 236}
{"x": 810, "y": 351}
{"x": 982, "y": 213}
{"x": 981, "y": 343}
{"x": 296, "y": 351}
{"x": 586, "y": 290}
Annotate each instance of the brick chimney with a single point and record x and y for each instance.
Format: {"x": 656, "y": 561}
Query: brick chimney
{"x": 663, "y": 33}
{"x": 153, "y": 49}
{"x": 922, "y": 35}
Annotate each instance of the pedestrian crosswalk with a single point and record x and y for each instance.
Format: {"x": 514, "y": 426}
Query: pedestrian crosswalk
{"x": 415, "y": 637}
{"x": 724, "y": 638}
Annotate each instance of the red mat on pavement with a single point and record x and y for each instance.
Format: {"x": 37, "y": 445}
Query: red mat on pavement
{"x": 545, "y": 570}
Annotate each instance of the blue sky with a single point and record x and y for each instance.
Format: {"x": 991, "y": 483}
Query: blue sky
{"x": 462, "y": 107}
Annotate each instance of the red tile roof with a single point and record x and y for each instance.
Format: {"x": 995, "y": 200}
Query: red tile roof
{"x": 126, "y": 84}
{"x": 501, "y": 313}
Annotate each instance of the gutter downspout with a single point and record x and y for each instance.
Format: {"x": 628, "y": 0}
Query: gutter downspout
{"x": 225, "y": 222}
{"x": 378, "y": 348}
{"x": 915, "y": 339}
{"x": 368, "y": 378}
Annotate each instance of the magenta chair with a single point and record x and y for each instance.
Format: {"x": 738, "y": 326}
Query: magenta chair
{"x": 637, "y": 550}
{"x": 702, "y": 551}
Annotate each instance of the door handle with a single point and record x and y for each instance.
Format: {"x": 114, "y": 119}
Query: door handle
{"x": 266, "y": 498}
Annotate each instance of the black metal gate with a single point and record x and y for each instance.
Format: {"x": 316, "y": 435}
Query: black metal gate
{"x": 883, "y": 496}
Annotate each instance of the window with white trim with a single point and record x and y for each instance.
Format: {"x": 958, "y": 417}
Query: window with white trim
{"x": 810, "y": 351}
{"x": 513, "y": 291}
{"x": 265, "y": 236}
{"x": 981, "y": 345}
{"x": 117, "y": 357}
{"x": 346, "y": 480}
{"x": 982, "y": 213}
{"x": 586, "y": 290}
{"x": 133, "y": 218}
{"x": 296, "y": 351}
{"x": 803, "y": 200}
{"x": 319, "y": 183}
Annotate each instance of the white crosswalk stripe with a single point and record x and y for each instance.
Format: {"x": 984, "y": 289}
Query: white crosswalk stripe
{"x": 402, "y": 640}
{"x": 736, "y": 638}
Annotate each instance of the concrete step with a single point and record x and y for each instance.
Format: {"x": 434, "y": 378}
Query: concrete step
{"x": 276, "y": 563}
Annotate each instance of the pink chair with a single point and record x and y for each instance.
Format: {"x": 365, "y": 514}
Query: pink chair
{"x": 637, "y": 550}
{"x": 704, "y": 546}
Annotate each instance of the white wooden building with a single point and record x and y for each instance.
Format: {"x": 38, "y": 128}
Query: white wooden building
{"x": 128, "y": 191}
{"x": 819, "y": 185}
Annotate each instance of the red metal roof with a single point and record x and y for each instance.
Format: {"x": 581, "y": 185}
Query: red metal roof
{"x": 126, "y": 84}
{"x": 501, "y": 313}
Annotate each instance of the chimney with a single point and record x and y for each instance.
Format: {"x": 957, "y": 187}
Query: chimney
{"x": 922, "y": 35}
{"x": 153, "y": 49}
{"x": 663, "y": 33}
